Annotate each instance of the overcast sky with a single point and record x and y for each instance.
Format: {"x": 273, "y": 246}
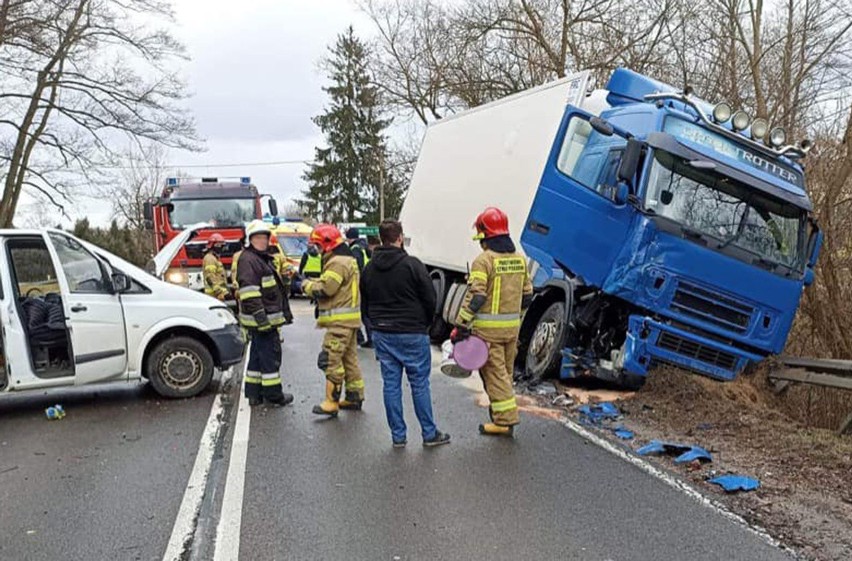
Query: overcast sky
{"x": 256, "y": 85}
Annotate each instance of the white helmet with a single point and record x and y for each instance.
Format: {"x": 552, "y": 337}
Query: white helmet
{"x": 257, "y": 227}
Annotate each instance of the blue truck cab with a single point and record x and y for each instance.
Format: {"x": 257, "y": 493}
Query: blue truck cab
{"x": 665, "y": 231}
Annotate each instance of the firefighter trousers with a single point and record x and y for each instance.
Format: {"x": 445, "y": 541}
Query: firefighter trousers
{"x": 497, "y": 376}
{"x": 263, "y": 377}
{"x": 339, "y": 361}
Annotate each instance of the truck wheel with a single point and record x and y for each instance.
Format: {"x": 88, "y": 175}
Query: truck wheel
{"x": 180, "y": 367}
{"x": 544, "y": 353}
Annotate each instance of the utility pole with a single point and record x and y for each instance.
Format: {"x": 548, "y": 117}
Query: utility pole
{"x": 381, "y": 186}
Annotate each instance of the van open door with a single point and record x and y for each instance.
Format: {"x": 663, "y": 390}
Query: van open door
{"x": 93, "y": 311}
{"x": 579, "y": 217}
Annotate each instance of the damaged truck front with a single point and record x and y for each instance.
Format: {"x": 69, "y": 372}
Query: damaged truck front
{"x": 659, "y": 229}
{"x": 665, "y": 231}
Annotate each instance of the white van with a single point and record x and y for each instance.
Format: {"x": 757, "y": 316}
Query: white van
{"x": 74, "y": 314}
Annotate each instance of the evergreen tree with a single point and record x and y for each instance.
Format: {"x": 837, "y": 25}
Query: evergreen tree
{"x": 343, "y": 182}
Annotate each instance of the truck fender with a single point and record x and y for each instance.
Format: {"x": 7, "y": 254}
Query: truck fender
{"x": 135, "y": 363}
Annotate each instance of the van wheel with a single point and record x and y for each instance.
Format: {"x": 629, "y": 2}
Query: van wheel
{"x": 544, "y": 352}
{"x": 180, "y": 367}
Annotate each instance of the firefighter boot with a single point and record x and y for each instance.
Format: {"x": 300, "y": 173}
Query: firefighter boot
{"x": 490, "y": 429}
{"x": 350, "y": 405}
{"x": 330, "y": 405}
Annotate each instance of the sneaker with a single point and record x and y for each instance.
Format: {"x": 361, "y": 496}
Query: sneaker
{"x": 400, "y": 444}
{"x": 437, "y": 440}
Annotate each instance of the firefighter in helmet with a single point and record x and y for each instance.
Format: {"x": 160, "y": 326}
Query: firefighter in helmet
{"x": 261, "y": 313}
{"x": 213, "y": 272}
{"x": 499, "y": 289}
{"x": 339, "y": 313}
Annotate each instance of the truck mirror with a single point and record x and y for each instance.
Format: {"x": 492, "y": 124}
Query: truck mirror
{"x": 630, "y": 160}
{"x": 273, "y": 207}
{"x": 814, "y": 246}
{"x": 148, "y": 211}
{"x": 666, "y": 197}
{"x": 809, "y": 277}
{"x": 601, "y": 126}
{"x": 149, "y": 224}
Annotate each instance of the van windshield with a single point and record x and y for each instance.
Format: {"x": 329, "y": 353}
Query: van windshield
{"x": 709, "y": 204}
{"x": 293, "y": 245}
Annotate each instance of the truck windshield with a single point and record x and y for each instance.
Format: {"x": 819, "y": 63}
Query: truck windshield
{"x": 293, "y": 245}
{"x": 221, "y": 212}
{"x": 708, "y": 204}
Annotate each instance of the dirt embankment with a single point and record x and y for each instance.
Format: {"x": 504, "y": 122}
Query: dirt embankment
{"x": 805, "y": 499}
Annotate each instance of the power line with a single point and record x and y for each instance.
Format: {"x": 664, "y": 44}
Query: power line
{"x": 198, "y": 166}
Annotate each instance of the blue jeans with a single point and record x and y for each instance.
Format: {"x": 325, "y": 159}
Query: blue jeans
{"x": 410, "y": 351}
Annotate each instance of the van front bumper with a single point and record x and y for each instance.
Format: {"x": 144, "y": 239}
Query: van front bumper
{"x": 230, "y": 345}
{"x": 650, "y": 342}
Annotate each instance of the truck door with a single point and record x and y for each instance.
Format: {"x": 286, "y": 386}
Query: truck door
{"x": 574, "y": 217}
{"x": 93, "y": 313}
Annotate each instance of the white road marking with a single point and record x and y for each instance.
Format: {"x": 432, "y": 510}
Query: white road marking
{"x": 184, "y": 527}
{"x": 230, "y": 521}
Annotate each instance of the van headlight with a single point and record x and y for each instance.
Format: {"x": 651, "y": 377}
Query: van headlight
{"x": 177, "y": 276}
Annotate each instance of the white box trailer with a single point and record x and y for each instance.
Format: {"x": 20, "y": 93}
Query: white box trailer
{"x": 492, "y": 155}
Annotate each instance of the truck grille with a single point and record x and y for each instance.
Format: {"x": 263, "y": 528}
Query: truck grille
{"x": 697, "y": 351}
{"x": 711, "y": 307}
{"x": 195, "y": 250}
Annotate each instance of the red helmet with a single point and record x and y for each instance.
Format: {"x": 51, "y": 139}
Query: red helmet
{"x": 215, "y": 239}
{"x": 491, "y": 222}
{"x": 326, "y": 236}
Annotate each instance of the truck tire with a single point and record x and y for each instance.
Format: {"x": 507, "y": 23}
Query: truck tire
{"x": 544, "y": 352}
{"x": 179, "y": 367}
{"x": 455, "y": 297}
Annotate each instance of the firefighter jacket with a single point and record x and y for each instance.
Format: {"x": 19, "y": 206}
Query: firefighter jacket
{"x": 499, "y": 288}
{"x": 261, "y": 291}
{"x": 213, "y": 272}
{"x": 336, "y": 290}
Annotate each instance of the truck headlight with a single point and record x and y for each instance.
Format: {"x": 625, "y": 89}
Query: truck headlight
{"x": 722, "y": 112}
{"x": 176, "y": 276}
{"x": 740, "y": 120}
{"x": 777, "y": 137}
{"x": 759, "y": 128}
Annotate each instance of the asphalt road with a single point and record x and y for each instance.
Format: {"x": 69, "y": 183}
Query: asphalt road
{"x": 107, "y": 482}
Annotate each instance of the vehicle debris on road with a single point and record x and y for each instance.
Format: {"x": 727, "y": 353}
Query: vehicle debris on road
{"x": 684, "y": 453}
{"x": 54, "y": 413}
{"x": 732, "y": 483}
{"x": 595, "y": 414}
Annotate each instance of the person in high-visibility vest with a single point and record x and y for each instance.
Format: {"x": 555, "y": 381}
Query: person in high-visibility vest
{"x": 311, "y": 263}
{"x": 362, "y": 256}
{"x": 499, "y": 289}
{"x": 337, "y": 294}
{"x": 212, "y": 271}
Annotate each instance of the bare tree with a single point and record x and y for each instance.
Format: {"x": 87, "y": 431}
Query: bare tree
{"x": 85, "y": 75}
{"x": 139, "y": 180}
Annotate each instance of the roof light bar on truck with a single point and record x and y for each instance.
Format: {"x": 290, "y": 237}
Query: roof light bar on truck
{"x": 789, "y": 150}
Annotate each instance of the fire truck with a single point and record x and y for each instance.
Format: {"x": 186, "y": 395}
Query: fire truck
{"x": 225, "y": 205}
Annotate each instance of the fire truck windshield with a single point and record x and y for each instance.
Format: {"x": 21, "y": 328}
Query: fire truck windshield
{"x": 221, "y": 212}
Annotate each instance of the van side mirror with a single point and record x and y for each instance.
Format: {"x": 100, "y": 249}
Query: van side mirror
{"x": 601, "y": 126}
{"x": 273, "y": 207}
{"x": 148, "y": 211}
{"x": 630, "y": 160}
{"x": 121, "y": 282}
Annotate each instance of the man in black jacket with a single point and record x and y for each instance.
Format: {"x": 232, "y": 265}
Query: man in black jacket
{"x": 398, "y": 298}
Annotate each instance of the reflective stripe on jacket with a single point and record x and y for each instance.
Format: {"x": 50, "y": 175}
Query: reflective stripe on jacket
{"x": 500, "y": 281}
{"x": 260, "y": 291}
{"x": 336, "y": 290}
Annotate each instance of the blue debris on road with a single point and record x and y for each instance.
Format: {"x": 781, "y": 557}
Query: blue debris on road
{"x": 597, "y": 413}
{"x": 623, "y": 433}
{"x": 732, "y": 483}
{"x": 684, "y": 453}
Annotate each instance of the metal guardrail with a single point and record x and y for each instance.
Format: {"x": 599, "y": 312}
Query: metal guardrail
{"x": 829, "y": 373}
